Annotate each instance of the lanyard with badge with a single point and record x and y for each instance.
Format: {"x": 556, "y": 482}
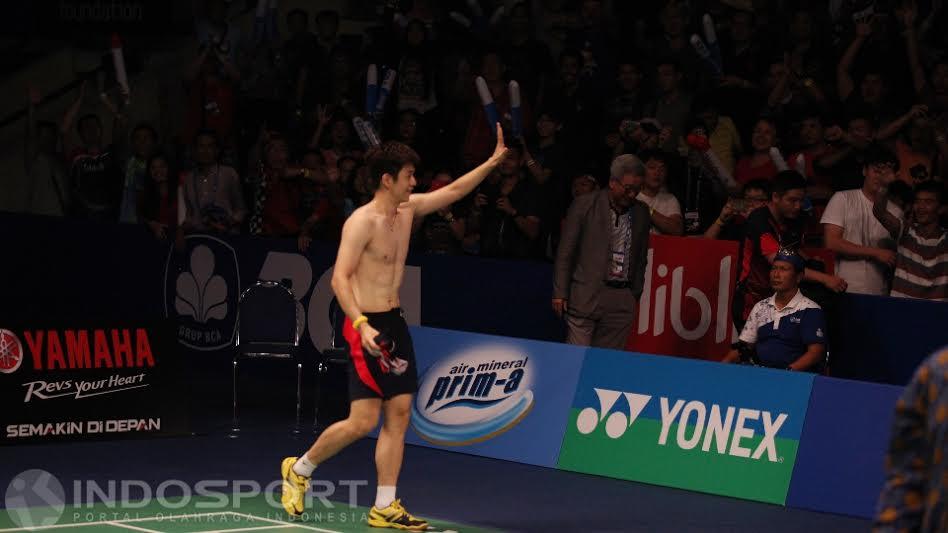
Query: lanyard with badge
{"x": 618, "y": 257}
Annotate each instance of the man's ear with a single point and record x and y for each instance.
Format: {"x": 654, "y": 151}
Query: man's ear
{"x": 389, "y": 177}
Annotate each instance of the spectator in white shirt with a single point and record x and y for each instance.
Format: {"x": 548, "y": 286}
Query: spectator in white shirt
{"x": 853, "y": 233}
{"x": 663, "y": 207}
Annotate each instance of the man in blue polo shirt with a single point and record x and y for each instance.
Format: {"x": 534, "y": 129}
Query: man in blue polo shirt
{"x": 787, "y": 330}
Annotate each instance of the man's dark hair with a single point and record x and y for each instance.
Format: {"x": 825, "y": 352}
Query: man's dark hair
{"x": 900, "y": 191}
{"x": 873, "y": 69}
{"x": 934, "y": 187}
{"x": 342, "y": 159}
{"x": 811, "y": 112}
{"x": 389, "y": 159}
{"x": 669, "y": 61}
{"x": 860, "y": 112}
{"x": 705, "y": 102}
{"x": 328, "y": 14}
{"x": 570, "y": 52}
{"x": 555, "y": 114}
{"x": 298, "y": 13}
{"x": 521, "y": 6}
{"x": 769, "y": 119}
{"x": 146, "y": 127}
{"x": 211, "y": 134}
{"x": 879, "y": 154}
{"x": 653, "y": 155}
{"x": 786, "y": 181}
{"x": 42, "y": 125}
{"x": 85, "y": 118}
{"x": 313, "y": 151}
{"x": 414, "y": 114}
{"x": 759, "y": 185}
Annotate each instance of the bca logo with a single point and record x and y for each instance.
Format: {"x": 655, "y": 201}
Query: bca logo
{"x": 473, "y": 396}
{"x": 11, "y": 352}
{"x": 202, "y": 293}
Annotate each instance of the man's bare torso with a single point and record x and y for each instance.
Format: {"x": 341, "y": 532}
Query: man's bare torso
{"x": 378, "y": 275}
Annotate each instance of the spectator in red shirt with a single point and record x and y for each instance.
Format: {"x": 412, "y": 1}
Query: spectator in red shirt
{"x": 812, "y": 146}
{"x": 158, "y": 207}
{"x": 324, "y": 199}
{"x": 210, "y": 84}
{"x": 479, "y": 140}
{"x": 768, "y": 229}
{"x": 759, "y": 164}
{"x": 278, "y": 201}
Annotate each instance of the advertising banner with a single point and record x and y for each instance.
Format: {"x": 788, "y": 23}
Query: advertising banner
{"x": 709, "y": 427}
{"x": 71, "y": 382}
{"x": 685, "y": 307}
{"x": 840, "y": 467}
{"x": 493, "y": 396}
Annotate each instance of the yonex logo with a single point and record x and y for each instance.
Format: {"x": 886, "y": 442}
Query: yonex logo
{"x": 724, "y": 430}
{"x": 35, "y": 498}
{"x": 11, "y": 352}
{"x": 618, "y": 422}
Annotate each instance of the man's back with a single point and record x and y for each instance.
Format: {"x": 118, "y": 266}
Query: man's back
{"x": 915, "y": 495}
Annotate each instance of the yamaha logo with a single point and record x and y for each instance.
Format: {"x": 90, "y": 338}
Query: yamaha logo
{"x": 473, "y": 396}
{"x": 11, "y": 352}
{"x": 202, "y": 293}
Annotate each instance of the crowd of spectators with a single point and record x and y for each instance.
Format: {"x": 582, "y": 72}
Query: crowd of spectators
{"x": 267, "y": 144}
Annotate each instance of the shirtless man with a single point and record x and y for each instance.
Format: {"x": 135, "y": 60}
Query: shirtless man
{"x": 366, "y": 279}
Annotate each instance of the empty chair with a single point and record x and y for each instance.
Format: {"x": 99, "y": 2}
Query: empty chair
{"x": 269, "y": 326}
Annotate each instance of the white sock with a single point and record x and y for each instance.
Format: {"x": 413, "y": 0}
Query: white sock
{"x": 304, "y": 467}
{"x": 384, "y": 496}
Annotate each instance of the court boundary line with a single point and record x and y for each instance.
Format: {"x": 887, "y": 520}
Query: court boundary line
{"x": 133, "y": 528}
{"x": 113, "y": 522}
{"x": 285, "y": 523}
{"x": 258, "y": 528}
{"x": 125, "y": 523}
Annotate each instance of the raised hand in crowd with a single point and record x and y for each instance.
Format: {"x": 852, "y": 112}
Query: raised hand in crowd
{"x": 897, "y": 125}
{"x": 844, "y": 80}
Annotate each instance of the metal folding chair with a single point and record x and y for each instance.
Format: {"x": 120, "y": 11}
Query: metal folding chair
{"x": 336, "y": 355}
{"x": 269, "y": 326}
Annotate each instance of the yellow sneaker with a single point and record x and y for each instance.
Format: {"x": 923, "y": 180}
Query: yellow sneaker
{"x": 294, "y": 488}
{"x": 396, "y": 517}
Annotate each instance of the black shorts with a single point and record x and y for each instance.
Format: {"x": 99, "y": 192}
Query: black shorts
{"x": 368, "y": 376}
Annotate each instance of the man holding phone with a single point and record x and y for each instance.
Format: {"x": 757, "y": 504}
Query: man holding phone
{"x": 729, "y": 225}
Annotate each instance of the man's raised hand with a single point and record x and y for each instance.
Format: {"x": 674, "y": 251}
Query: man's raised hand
{"x": 501, "y": 148}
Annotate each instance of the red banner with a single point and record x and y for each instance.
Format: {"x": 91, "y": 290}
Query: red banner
{"x": 685, "y": 307}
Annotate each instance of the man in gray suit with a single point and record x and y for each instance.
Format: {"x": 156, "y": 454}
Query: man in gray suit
{"x": 600, "y": 262}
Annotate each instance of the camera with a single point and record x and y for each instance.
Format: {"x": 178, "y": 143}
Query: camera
{"x": 746, "y": 352}
{"x": 215, "y": 214}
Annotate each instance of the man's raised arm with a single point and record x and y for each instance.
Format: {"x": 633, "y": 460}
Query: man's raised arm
{"x": 425, "y": 203}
